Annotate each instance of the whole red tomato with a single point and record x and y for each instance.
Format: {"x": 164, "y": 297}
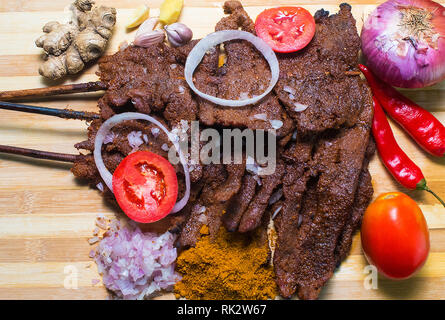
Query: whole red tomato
{"x": 395, "y": 235}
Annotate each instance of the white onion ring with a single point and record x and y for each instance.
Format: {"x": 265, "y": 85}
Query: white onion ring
{"x": 108, "y": 177}
{"x": 195, "y": 56}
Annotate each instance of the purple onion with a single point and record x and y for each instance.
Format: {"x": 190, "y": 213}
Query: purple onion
{"x": 403, "y": 42}
{"x": 136, "y": 265}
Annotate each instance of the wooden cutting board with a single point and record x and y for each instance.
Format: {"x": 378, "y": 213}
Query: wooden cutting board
{"x": 46, "y": 216}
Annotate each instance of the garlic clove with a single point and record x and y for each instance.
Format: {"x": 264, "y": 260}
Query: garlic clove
{"x": 147, "y": 26}
{"x": 178, "y": 34}
{"x": 149, "y": 38}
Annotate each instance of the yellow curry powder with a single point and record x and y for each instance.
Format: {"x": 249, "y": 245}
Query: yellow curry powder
{"x": 231, "y": 266}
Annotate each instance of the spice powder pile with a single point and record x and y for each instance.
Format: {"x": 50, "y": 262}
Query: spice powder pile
{"x": 232, "y": 266}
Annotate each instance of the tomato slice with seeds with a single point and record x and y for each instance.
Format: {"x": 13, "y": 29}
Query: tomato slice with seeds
{"x": 145, "y": 186}
{"x": 285, "y": 29}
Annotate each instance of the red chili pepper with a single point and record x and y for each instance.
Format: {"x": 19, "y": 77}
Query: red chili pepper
{"x": 403, "y": 169}
{"x": 423, "y": 127}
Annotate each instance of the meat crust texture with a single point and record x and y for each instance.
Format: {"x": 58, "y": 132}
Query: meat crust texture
{"x": 323, "y": 152}
{"x": 316, "y": 76}
{"x": 325, "y": 183}
{"x": 147, "y": 80}
{"x": 244, "y": 74}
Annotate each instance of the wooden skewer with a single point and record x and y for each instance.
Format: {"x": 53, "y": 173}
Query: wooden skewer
{"x": 61, "y": 113}
{"x": 75, "y": 88}
{"x": 55, "y": 90}
{"x": 39, "y": 154}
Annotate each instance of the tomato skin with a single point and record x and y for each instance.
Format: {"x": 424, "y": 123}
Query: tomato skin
{"x": 285, "y": 29}
{"x": 151, "y": 175}
{"x": 395, "y": 236}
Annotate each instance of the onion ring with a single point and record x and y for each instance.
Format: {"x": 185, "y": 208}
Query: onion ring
{"x": 116, "y": 119}
{"x": 195, "y": 56}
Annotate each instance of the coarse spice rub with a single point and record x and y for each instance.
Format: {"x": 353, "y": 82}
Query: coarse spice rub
{"x": 233, "y": 266}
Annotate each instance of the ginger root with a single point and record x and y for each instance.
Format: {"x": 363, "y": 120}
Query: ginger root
{"x": 69, "y": 46}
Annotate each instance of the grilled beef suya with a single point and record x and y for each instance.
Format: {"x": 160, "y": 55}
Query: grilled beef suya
{"x": 321, "y": 185}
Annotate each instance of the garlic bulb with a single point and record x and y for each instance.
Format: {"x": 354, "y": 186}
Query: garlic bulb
{"x": 178, "y": 34}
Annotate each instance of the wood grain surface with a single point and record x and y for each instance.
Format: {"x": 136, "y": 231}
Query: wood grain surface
{"x": 46, "y": 216}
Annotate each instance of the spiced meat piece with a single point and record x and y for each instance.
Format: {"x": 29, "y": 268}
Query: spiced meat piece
{"x": 331, "y": 103}
{"x": 220, "y": 184}
{"x": 245, "y": 74}
{"x": 362, "y": 199}
{"x": 238, "y": 18}
{"x": 316, "y": 76}
{"x": 147, "y": 79}
{"x": 239, "y": 204}
{"x": 326, "y": 207}
{"x": 252, "y": 217}
{"x": 288, "y": 220}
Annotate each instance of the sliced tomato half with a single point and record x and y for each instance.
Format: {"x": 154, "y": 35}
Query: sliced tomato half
{"x": 145, "y": 186}
{"x": 285, "y": 29}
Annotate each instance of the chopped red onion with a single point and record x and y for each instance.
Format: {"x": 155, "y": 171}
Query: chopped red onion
{"x": 276, "y": 212}
{"x": 155, "y": 132}
{"x": 294, "y": 135}
{"x": 202, "y": 218}
{"x": 199, "y": 50}
{"x": 251, "y": 165}
{"x": 276, "y": 196}
{"x": 101, "y": 223}
{"x": 300, "y": 220}
{"x": 135, "y": 139}
{"x": 276, "y": 124}
{"x": 93, "y": 240}
{"x": 135, "y": 265}
{"x": 257, "y": 179}
{"x": 100, "y": 186}
{"x": 299, "y": 107}
{"x": 244, "y": 95}
{"x": 109, "y": 138}
{"x": 260, "y": 116}
{"x": 289, "y": 89}
{"x": 164, "y": 147}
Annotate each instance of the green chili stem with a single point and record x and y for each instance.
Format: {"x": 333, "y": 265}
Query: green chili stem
{"x": 435, "y": 195}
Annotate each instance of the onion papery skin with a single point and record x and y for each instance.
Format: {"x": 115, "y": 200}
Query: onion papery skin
{"x": 399, "y": 55}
